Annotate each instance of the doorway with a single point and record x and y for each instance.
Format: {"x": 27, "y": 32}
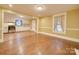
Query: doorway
{"x": 34, "y": 23}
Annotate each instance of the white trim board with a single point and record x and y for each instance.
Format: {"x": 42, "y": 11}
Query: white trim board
{"x": 63, "y": 37}
{"x": 33, "y": 30}
{"x": 73, "y": 29}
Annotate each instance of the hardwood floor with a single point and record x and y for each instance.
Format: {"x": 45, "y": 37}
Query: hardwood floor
{"x": 30, "y": 43}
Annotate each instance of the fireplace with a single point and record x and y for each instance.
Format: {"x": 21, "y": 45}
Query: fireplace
{"x": 11, "y": 28}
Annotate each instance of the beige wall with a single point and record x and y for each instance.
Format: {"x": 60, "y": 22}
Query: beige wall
{"x": 0, "y": 24}
{"x": 9, "y": 18}
{"x": 72, "y": 22}
{"x": 45, "y": 24}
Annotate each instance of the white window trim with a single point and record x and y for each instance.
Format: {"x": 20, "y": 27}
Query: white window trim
{"x": 64, "y": 22}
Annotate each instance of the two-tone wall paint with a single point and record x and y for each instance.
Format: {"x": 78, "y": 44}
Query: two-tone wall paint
{"x": 72, "y": 24}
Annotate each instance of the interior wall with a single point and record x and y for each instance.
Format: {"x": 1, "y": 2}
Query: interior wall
{"x": 26, "y": 26}
{"x": 45, "y": 24}
{"x": 0, "y": 24}
{"x": 72, "y": 24}
{"x": 10, "y": 18}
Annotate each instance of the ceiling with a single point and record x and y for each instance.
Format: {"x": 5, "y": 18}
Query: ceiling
{"x": 50, "y": 9}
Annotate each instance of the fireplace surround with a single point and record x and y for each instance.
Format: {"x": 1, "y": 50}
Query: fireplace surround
{"x": 11, "y": 28}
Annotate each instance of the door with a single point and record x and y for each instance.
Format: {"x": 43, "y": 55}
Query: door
{"x": 33, "y": 25}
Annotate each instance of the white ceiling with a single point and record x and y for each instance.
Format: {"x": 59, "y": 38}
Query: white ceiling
{"x": 50, "y": 9}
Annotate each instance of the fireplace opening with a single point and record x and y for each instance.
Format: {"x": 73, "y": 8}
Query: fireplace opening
{"x": 11, "y": 28}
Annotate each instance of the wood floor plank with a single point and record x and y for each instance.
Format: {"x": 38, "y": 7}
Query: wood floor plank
{"x": 31, "y": 43}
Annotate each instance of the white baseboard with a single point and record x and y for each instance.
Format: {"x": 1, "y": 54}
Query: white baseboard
{"x": 63, "y": 37}
{"x": 33, "y": 30}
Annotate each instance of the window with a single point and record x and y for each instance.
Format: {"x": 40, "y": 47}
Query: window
{"x": 18, "y": 22}
{"x": 60, "y": 23}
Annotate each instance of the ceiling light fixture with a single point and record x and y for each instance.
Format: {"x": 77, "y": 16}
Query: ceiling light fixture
{"x": 10, "y": 5}
{"x": 40, "y": 7}
{"x": 21, "y": 16}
